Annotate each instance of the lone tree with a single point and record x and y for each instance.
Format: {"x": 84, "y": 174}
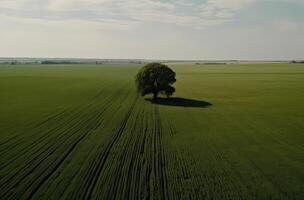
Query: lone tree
{"x": 155, "y": 78}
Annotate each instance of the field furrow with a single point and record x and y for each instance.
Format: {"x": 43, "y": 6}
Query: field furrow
{"x": 83, "y": 132}
{"x": 54, "y": 151}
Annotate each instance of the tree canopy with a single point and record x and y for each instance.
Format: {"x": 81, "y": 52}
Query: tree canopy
{"x": 155, "y": 78}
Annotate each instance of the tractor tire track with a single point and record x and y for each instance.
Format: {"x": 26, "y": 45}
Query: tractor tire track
{"x": 138, "y": 170}
{"x": 65, "y": 122}
{"x": 63, "y": 187}
{"x": 89, "y": 179}
{"x": 72, "y": 147}
{"x": 45, "y": 155}
{"x": 115, "y": 178}
{"x": 51, "y": 118}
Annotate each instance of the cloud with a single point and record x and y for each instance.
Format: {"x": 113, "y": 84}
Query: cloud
{"x": 210, "y": 13}
{"x": 21, "y": 4}
{"x": 196, "y": 15}
{"x": 68, "y": 5}
{"x": 289, "y": 26}
{"x": 131, "y": 29}
{"x": 66, "y": 24}
{"x": 223, "y": 9}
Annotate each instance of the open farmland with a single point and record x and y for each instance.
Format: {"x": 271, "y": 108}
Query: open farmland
{"x": 82, "y": 132}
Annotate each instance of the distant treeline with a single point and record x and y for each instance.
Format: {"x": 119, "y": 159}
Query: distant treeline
{"x": 68, "y": 61}
{"x": 297, "y": 62}
{"x": 211, "y": 63}
{"x": 17, "y": 63}
{"x": 52, "y": 62}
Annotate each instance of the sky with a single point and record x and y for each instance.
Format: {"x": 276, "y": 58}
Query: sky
{"x": 153, "y": 29}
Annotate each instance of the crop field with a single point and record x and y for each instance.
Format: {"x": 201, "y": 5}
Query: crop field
{"x": 83, "y": 132}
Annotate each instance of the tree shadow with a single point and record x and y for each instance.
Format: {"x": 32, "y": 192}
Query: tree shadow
{"x": 181, "y": 102}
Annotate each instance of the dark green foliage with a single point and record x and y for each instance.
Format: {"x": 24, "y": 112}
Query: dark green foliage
{"x": 59, "y": 62}
{"x": 155, "y": 78}
{"x": 296, "y": 62}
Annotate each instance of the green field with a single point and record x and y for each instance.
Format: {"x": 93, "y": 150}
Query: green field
{"x": 82, "y": 132}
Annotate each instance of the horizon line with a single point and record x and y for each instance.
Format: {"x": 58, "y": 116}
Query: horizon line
{"x": 151, "y": 59}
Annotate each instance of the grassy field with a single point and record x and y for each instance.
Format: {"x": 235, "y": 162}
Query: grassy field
{"x": 82, "y": 132}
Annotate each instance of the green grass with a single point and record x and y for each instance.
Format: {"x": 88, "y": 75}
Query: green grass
{"x": 82, "y": 132}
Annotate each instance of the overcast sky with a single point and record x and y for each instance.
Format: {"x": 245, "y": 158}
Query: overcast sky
{"x": 153, "y": 29}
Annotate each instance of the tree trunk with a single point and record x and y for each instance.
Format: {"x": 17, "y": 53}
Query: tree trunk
{"x": 155, "y": 92}
{"x": 155, "y": 95}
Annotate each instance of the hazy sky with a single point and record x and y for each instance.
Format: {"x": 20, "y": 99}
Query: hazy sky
{"x": 156, "y": 29}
